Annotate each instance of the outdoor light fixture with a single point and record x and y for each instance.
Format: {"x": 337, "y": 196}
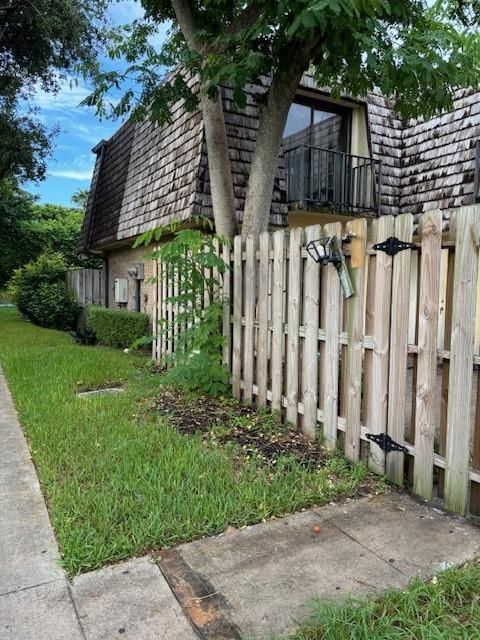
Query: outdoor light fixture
{"x": 324, "y": 251}
{"x": 329, "y": 251}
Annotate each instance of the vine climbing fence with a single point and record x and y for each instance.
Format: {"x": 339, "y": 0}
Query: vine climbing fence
{"x": 389, "y": 374}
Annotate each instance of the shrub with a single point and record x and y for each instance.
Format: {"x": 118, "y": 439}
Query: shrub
{"x": 115, "y": 327}
{"x": 40, "y": 292}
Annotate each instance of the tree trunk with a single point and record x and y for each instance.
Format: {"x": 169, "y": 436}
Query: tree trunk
{"x": 221, "y": 181}
{"x": 273, "y": 116}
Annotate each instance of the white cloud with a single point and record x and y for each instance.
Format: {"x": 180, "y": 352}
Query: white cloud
{"x": 69, "y": 96}
{"x": 72, "y": 174}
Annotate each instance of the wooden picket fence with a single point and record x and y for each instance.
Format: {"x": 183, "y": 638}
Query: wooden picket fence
{"x": 371, "y": 364}
{"x": 87, "y": 285}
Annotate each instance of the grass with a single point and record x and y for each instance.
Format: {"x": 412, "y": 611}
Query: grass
{"x": 445, "y": 608}
{"x": 118, "y": 479}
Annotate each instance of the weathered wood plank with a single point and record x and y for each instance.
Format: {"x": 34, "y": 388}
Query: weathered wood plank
{"x": 277, "y": 320}
{"x": 248, "y": 346}
{"x": 332, "y": 302}
{"x": 447, "y": 331}
{"x": 155, "y": 343}
{"x": 355, "y": 312}
{"x": 382, "y": 228}
{"x": 294, "y": 304}
{"x": 467, "y": 230}
{"x": 399, "y": 347}
{"x": 429, "y": 298}
{"x": 226, "y": 294}
{"x": 237, "y": 317}
{"x": 262, "y": 305}
{"x": 311, "y": 292}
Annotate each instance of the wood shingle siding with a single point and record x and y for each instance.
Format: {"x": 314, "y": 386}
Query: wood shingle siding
{"x": 439, "y": 157}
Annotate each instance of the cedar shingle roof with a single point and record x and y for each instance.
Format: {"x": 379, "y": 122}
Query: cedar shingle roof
{"x": 147, "y": 175}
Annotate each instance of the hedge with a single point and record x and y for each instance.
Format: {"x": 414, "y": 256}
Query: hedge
{"x": 115, "y": 327}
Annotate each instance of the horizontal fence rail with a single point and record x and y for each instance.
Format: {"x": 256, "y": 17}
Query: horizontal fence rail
{"x": 328, "y": 179}
{"x": 87, "y": 285}
{"x": 398, "y": 358}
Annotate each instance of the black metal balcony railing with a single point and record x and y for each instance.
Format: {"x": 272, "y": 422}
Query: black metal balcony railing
{"x": 333, "y": 180}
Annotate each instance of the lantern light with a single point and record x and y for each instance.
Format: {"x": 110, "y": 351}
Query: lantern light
{"x": 324, "y": 251}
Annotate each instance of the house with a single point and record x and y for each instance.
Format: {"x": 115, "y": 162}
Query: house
{"x": 340, "y": 158}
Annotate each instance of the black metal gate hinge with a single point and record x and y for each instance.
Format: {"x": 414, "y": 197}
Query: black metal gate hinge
{"x": 385, "y": 442}
{"x": 391, "y": 246}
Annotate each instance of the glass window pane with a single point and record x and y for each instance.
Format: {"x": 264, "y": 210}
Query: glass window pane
{"x": 328, "y": 130}
{"x": 297, "y": 129}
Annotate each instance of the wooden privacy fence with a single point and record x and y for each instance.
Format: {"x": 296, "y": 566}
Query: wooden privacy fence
{"x": 370, "y": 366}
{"x": 87, "y": 285}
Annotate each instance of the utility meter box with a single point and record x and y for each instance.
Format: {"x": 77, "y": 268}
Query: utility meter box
{"x": 121, "y": 290}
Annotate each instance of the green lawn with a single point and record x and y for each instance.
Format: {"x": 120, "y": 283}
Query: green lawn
{"x": 118, "y": 480}
{"x": 444, "y": 608}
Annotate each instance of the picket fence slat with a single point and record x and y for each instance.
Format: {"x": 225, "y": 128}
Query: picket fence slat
{"x": 431, "y": 231}
{"x": 355, "y": 308}
{"x": 248, "y": 345}
{"x": 377, "y": 388}
{"x": 294, "y": 300}
{"x": 263, "y": 300}
{"x": 467, "y": 235}
{"x": 277, "y": 320}
{"x": 311, "y": 300}
{"x": 226, "y": 293}
{"x": 447, "y": 330}
{"x": 399, "y": 347}
{"x": 331, "y": 303}
{"x": 237, "y": 316}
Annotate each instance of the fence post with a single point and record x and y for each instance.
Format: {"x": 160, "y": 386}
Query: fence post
{"x": 467, "y": 234}
{"x": 431, "y": 230}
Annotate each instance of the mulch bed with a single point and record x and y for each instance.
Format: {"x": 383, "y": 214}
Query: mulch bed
{"x": 227, "y": 421}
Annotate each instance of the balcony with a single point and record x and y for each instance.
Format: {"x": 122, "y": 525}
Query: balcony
{"x": 322, "y": 179}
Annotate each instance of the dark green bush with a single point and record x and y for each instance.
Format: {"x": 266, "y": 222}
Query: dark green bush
{"x": 114, "y": 327}
{"x": 40, "y": 292}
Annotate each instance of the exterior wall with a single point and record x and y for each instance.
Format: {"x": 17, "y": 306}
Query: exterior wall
{"x": 119, "y": 260}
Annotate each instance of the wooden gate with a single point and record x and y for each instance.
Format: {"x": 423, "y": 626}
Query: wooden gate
{"x": 397, "y": 359}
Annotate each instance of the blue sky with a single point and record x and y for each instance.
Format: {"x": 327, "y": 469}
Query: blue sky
{"x": 71, "y": 165}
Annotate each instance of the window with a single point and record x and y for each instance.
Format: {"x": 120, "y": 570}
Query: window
{"x": 319, "y": 124}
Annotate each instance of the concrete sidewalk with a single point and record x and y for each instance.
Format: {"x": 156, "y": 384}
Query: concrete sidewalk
{"x": 245, "y": 583}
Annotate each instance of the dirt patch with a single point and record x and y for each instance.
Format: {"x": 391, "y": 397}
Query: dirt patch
{"x": 256, "y": 434}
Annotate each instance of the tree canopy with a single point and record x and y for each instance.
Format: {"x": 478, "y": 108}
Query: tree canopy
{"x": 29, "y": 229}
{"x": 40, "y": 42}
{"x": 415, "y": 52}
